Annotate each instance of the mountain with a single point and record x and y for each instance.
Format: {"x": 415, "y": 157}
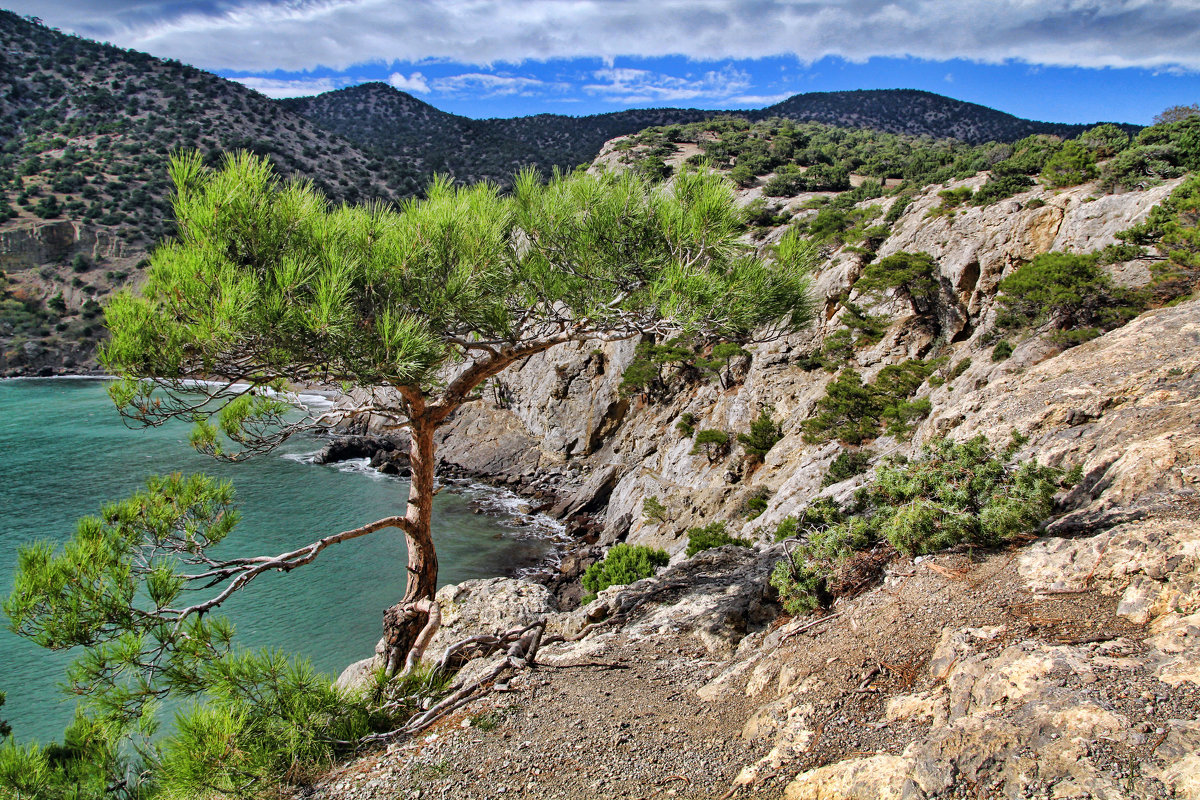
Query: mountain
{"x": 916, "y": 113}
{"x": 88, "y": 128}
{"x": 86, "y": 132}
{"x": 427, "y": 140}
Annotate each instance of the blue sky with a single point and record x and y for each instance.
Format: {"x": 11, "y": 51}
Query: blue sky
{"x": 1055, "y": 60}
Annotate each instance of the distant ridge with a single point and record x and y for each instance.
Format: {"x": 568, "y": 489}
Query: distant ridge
{"x": 395, "y": 124}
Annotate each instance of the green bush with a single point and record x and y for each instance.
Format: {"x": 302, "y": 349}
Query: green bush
{"x": 653, "y": 510}
{"x": 710, "y": 536}
{"x": 1002, "y": 350}
{"x": 911, "y": 275}
{"x": 756, "y": 503}
{"x": 1067, "y": 290}
{"x": 686, "y": 424}
{"x": 847, "y": 464}
{"x": 1000, "y": 187}
{"x": 952, "y": 494}
{"x": 1070, "y": 166}
{"x": 764, "y": 434}
{"x": 712, "y": 443}
{"x": 624, "y": 564}
{"x": 1173, "y": 228}
{"x": 656, "y": 368}
{"x": 852, "y": 412}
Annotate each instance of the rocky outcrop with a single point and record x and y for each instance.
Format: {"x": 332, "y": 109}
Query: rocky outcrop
{"x": 32, "y": 246}
{"x": 563, "y": 417}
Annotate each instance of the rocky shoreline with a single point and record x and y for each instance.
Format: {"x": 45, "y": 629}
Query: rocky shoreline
{"x": 559, "y": 496}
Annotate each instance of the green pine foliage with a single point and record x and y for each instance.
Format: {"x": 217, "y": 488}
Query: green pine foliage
{"x": 853, "y": 412}
{"x": 1072, "y": 165}
{"x": 115, "y": 593}
{"x": 764, "y": 434}
{"x": 1160, "y": 152}
{"x": 686, "y": 424}
{"x": 846, "y": 465}
{"x": 653, "y": 510}
{"x": 952, "y": 494}
{"x": 1173, "y": 229}
{"x": 712, "y": 443}
{"x": 623, "y": 565}
{"x": 912, "y": 276}
{"x": 1070, "y": 292}
{"x": 710, "y": 536}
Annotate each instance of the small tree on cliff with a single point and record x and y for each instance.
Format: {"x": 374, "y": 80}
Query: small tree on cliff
{"x": 415, "y": 308}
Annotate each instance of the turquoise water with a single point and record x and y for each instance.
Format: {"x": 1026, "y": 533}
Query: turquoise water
{"x": 64, "y": 451}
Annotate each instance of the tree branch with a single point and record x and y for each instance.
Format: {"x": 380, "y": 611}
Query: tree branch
{"x": 244, "y": 570}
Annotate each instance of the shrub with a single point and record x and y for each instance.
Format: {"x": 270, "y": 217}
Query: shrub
{"x": 756, "y": 503}
{"x": 1069, "y": 291}
{"x": 951, "y": 199}
{"x": 952, "y": 494}
{"x": 1105, "y": 140}
{"x": 847, "y": 464}
{"x": 656, "y": 367}
{"x": 1002, "y": 350}
{"x": 999, "y": 187}
{"x": 686, "y": 424}
{"x": 624, "y": 564}
{"x": 1173, "y": 228}
{"x": 1072, "y": 165}
{"x": 653, "y": 511}
{"x": 764, "y": 434}
{"x": 959, "y": 369}
{"x": 710, "y": 536}
{"x": 720, "y": 364}
{"x": 911, "y": 275}
{"x": 712, "y": 443}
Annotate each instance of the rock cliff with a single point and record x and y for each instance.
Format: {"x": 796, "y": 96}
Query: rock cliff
{"x": 1067, "y": 667}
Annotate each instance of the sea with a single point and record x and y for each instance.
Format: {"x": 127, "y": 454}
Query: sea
{"x": 65, "y": 451}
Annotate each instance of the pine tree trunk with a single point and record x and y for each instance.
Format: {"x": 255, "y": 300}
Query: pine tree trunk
{"x": 422, "y": 560}
{"x": 402, "y": 623}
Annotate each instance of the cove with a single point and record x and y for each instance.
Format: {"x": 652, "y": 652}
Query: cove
{"x": 65, "y": 451}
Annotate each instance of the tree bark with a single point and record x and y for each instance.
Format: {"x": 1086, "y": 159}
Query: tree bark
{"x": 403, "y": 622}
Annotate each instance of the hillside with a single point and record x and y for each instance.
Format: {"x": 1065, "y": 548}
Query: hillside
{"x": 820, "y": 654}
{"x": 916, "y": 113}
{"x": 427, "y": 140}
{"x": 87, "y": 132}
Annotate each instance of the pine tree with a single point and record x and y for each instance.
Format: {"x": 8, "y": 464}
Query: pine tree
{"x": 415, "y": 307}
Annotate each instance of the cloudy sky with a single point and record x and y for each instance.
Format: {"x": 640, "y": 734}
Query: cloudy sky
{"x": 1058, "y": 60}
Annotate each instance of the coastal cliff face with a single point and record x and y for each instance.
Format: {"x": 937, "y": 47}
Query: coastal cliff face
{"x": 1068, "y": 667}
{"x": 65, "y": 259}
{"x": 565, "y": 421}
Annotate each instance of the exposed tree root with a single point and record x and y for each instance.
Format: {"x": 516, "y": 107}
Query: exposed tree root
{"x": 521, "y": 653}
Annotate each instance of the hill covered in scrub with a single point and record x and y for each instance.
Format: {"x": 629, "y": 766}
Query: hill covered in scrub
{"x": 398, "y": 125}
{"x": 87, "y": 132}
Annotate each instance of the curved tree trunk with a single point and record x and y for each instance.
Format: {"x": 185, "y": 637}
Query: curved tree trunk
{"x": 403, "y": 622}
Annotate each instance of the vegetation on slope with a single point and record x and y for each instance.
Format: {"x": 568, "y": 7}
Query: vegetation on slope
{"x": 952, "y": 494}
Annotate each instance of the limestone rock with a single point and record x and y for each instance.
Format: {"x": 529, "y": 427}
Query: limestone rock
{"x": 488, "y": 606}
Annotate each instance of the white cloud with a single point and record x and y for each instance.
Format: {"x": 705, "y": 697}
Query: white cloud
{"x": 296, "y": 35}
{"x": 756, "y": 100}
{"x": 484, "y": 84}
{"x": 413, "y": 83}
{"x": 301, "y": 87}
{"x": 635, "y": 86}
